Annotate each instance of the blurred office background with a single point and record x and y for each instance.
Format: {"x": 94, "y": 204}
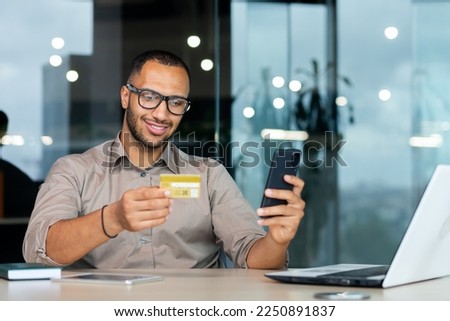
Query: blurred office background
{"x": 362, "y": 87}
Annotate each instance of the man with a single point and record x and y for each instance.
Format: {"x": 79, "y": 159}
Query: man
{"x": 19, "y": 190}
{"x": 104, "y": 208}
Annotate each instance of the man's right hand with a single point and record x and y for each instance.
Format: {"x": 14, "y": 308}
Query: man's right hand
{"x": 138, "y": 209}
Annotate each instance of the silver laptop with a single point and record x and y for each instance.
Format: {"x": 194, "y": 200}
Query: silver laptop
{"x": 423, "y": 254}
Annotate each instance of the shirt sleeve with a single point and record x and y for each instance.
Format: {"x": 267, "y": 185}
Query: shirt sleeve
{"x": 233, "y": 218}
{"x": 57, "y": 199}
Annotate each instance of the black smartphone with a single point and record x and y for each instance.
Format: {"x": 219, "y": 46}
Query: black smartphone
{"x": 284, "y": 161}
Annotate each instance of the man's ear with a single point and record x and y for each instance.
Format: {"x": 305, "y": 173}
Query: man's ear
{"x": 124, "y": 97}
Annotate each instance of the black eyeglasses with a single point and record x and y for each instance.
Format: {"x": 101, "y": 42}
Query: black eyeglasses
{"x": 150, "y": 99}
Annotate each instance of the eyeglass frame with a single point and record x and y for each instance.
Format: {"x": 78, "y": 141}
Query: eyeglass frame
{"x": 138, "y": 91}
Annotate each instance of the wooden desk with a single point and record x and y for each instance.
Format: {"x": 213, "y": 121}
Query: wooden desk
{"x": 208, "y": 285}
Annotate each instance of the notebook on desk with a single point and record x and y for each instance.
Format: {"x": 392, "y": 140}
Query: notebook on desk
{"x": 423, "y": 254}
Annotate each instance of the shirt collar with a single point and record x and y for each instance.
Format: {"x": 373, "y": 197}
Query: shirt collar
{"x": 170, "y": 157}
{"x": 116, "y": 153}
{"x": 117, "y": 156}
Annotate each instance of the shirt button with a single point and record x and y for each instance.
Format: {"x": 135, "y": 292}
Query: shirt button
{"x": 145, "y": 240}
{"x": 143, "y": 174}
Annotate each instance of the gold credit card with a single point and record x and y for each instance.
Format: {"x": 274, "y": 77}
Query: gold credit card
{"x": 180, "y": 185}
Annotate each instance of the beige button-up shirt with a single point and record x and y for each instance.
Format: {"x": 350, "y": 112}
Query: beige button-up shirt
{"x": 191, "y": 237}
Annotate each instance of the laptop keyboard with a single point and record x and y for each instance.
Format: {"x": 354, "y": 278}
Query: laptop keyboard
{"x": 364, "y": 272}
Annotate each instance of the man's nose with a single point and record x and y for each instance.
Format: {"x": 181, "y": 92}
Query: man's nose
{"x": 162, "y": 111}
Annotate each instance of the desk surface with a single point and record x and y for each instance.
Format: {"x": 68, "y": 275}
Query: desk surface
{"x": 207, "y": 285}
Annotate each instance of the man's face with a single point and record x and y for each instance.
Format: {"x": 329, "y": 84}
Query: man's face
{"x": 152, "y": 127}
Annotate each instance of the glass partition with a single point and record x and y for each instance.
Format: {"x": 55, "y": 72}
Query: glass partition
{"x": 42, "y": 42}
{"x": 377, "y": 70}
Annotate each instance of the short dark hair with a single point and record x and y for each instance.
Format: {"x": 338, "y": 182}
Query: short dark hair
{"x": 3, "y": 125}
{"x": 162, "y": 57}
{"x": 3, "y": 119}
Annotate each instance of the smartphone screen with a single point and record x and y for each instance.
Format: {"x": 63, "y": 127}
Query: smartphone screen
{"x": 284, "y": 161}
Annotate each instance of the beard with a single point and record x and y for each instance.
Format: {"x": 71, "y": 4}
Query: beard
{"x": 132, "y": 121}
